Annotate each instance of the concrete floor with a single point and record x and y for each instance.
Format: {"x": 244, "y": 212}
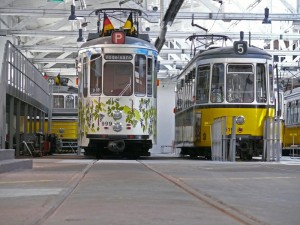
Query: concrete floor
{"x": 161, "y": 189}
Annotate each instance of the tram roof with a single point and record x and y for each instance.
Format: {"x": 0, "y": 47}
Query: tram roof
{"x": 228, "y": 52}
{"x": 128, "y": 40}
{"x": 64, "y": 89}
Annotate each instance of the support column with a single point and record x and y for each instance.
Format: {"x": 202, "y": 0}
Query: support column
{"x": 42, "y": 122}
{"x": 18, "y": 115}
{"x": 11, "y": 122}
{"x": 25, "y": 121}
{"x": 34, "y": 120}
{"x": 3, "y": 83}
{"x": 30, "y": 119}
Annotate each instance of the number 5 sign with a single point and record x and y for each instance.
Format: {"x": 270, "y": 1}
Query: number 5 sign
{"x": 240, "y": 47}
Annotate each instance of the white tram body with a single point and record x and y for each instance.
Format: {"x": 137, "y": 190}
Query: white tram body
{"x": 117, "y": 95}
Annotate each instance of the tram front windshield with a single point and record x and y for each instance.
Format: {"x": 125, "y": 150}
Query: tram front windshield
{"x": 117, "y": 79}
{"x": 240, "y": 84}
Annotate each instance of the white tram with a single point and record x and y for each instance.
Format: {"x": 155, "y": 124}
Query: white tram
{"x": 117, "y": 88}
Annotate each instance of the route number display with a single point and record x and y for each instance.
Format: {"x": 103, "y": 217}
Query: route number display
{"x": 240, "y": 47}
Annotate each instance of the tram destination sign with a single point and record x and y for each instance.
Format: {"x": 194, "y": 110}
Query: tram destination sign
{"x": 118, "y": 57}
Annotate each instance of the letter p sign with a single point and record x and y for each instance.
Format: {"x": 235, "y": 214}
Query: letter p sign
{"x": 118, "y": 37}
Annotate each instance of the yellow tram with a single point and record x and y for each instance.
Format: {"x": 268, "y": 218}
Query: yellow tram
{"x": 226, "y": 82}
{"x": 291, "y": 138}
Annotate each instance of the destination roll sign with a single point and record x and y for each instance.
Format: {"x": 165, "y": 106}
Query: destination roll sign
{"x": 118, "y": 57}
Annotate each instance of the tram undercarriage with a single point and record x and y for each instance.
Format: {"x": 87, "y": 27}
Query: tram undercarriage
{"x": 246, "y": 149}
{"x": 118, "y": 148}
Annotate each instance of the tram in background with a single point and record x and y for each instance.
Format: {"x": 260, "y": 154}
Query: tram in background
{"x": 64, "y": 117}
{"x": 291, "y": 138}
{"x": 226, "y": 82}
{"x": 117, "y": 87}
{"x": 60, "y": 131}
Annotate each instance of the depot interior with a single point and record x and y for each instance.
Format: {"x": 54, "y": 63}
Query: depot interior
{"x": 49, "y": 33}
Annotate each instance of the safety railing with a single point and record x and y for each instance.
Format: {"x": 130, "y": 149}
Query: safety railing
{"x": 24, "y": 80}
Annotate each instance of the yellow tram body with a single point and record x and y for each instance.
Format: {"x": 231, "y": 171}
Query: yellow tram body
{"x": 254, "y": 124}
{"x": 291, "y": 138}
{"x": 225, "y": 83}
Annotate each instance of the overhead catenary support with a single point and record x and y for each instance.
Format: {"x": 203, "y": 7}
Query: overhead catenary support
{"x": 168, "y": 19}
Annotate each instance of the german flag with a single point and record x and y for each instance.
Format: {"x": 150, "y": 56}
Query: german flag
{"x": 128, "y": 25}
{"x": 107, "y": 26}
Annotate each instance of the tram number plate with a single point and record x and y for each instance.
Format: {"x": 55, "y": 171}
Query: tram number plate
{"x": 240, "y": 47}
{"x": 106, "y": 124}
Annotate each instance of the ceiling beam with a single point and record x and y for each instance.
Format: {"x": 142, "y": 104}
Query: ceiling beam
{"x": 57, "y": 13}
{"x": 169, "y": 35}
{"x": 49, "y": 48}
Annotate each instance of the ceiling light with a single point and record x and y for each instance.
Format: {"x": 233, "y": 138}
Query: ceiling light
{"x": 266, "y": 19}
{"x": 72, "y": 16}
{"x": 155, "y": 8}
{"x": 80, "y": 37}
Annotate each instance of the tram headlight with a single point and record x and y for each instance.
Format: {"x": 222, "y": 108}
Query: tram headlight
{"x": 240, "y": 120}
{"x": 117, "y": 126}
{"x": 117, "y": 114}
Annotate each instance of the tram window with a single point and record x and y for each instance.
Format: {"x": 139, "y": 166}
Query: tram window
{"x": 69, "y": 102}
{"x": 85, "y": 74}
{"x": 217, "y": 83}
{"x": 271, "y": 80}
{"x": 140, "y": 75}
{"x": 240, "y": 84}
{"x": 294, "y": 112}
{"x": 261, "y": 84}
{"x": 58, "y": 101}
{"x": 288, "y": 113}
{"x": 156, "y": 69}
{"x": 202, "y": 84}
{"x": 244, "y": 68}
{"x": 117, "y": 79}
{"x": 298, "y": 111}
{"x": 149, "y": 77}
{"x": 179, "y": 95}
{"x": 76, "y": 101}
{"x": 96, "y": 74}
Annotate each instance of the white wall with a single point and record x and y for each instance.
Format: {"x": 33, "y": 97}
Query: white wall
{"x": 165, "y": 116}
